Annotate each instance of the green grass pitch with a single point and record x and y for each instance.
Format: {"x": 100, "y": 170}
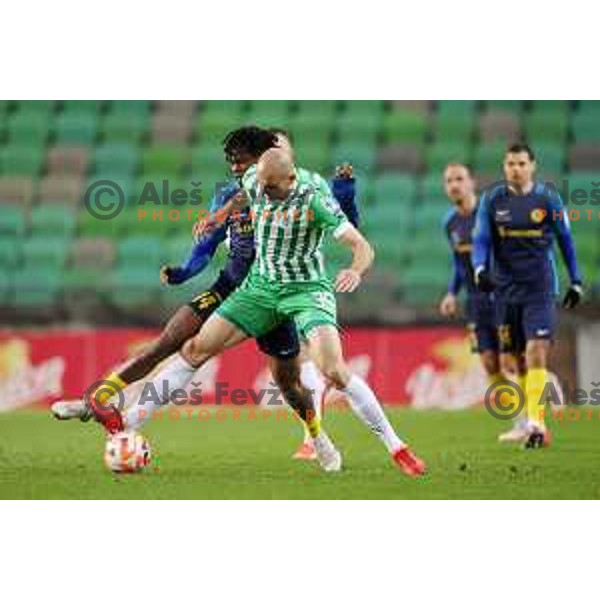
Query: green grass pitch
{"x": 43, "y": 458}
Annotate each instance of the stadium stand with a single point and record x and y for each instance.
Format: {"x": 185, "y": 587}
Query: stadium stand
{"x": 52, "y": 249}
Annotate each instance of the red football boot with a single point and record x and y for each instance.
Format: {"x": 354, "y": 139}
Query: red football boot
{"x": 108, "y": 416}
{"x": 409, "y": 463}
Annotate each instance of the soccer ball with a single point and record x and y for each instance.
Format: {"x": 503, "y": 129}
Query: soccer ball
{"x": 127, "y": 452}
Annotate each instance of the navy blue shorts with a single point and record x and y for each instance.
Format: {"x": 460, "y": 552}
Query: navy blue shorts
{"x": 282, "y": 342}
{"x": 483, "y": 331}
{"x": 522, "y": 320}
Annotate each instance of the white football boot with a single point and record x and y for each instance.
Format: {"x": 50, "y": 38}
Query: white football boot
{"x": 328, "y": 455}
{"x": 517, "y": 434}
{"x": 65, "y": 410}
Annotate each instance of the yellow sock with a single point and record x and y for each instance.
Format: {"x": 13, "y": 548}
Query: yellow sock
{"x": 535, "y": 383}
{"x": 106, "y": 391}
{"x": 313, "y": 426}
{"x": 503, "y": 400}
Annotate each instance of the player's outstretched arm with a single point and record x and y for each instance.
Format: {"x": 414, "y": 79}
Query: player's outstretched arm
{"x": 199, "y": 258}
{"x": 362, "y": 258}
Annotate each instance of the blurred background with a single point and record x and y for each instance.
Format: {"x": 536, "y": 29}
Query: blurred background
{"x": 63, "y": 269}
{"x": 60, "y": 264}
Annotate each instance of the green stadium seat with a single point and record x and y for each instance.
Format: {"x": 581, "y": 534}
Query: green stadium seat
{"x": 211, "y": 128}
{"x": 432, "y": 188}
{"x": 269, "y": 113}
{"x": 116, "y": 157}
{"x": 12, "y": 221}
{"x": 395, "y": 189}
{"x": 133, "y": 108}
{"x": 353, "y": 128}
{"x": 515, "y": 106}
{"x": 421, "y": 286}
{"x": 125, "y": 127}
{"x": 36, "y": 107}
{"x": 430, "y": 216}
{"x": 589, "y": 106}
{"x": 454, "y": 127}
{"x": 367, "y": 108}
{"x": 385, "y": 219}
{"x": 488, "y": 158}
{"x": 37, "y": 286}
{"x": 311, "y": 128}
{"x": 141, "y": 249}
{"x": 27, "y": 129}
{"x": 235, "y": 108}
{"x": 360, "y": 155}
{"x": 318, "y": 108}
{"x": 545, "y": 126}
{"x": 21, "y": 160}
{"x": 10, "y": 252}
{"x": 53, "y": 219}
{"x": 76, "y": 128}
{"x": 405, "y": 126}
{"x": 550, "y": 106}
{"x": 439, "y": 154}
{"x": 164, "y": 159}
{"x": 313, "y": 155}
{"x": 456, "y": 106}
{"x": 86, "y": 107}
{"x": 135, "y": 285}
{"x": 49, "y": 251}
{"x": 586, "y": 127}
{"x": 550, "y": 157}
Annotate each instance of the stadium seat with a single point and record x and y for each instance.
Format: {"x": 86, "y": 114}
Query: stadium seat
{"x": 16, "y": 190}
{"x": 70, "y": 160}
{"x": 211, "y": 128}
{"x": 30, "y": 129}
{"x": 586, "y": 127}
{"x": 61, "y": 188}
{"x": 164, "y": 159}
{"x": 381, "y": 219}
{"x": 171, "y": 129}
{"x": 439, "y": 154}
{"x": 135, "y": 285}
{"x": 324, "y": 108}
{"x": 361, "y": 155}
{"x": 311, "y": 128}
{"x": 10, "y": 250}
{"x": 514, "y": 106}
{"x": 269, "y": 113}
{"x": 47, "y": 250}
{"x": 37, "y": 286}
{"x": 21, "y": 160}
{"x": 125, "y": 127}
{"x": 83, "y": 107}
{"x": 453, "y": 127}
{"x": 584, "y": 156}
{"x": 456, "y": 106}
{"x": 550, "y": 106}
{"x": 358, "y": 108}
{"x": 116, "y": 156}
{"x": 432, "y": 188}
{"x": 234, "y": 108}
{"x": 137, "y": 109}
{"x": 498, "y": 125}
{"x": 542, "y": 126}
{"x": 76, "y": 128}
{"x": 395, "y": 189}
{"x": 141, "y": 249}
{"x": 400, "y": 157}
{"x": 53, "y": 220}
{"x": 589, "y": 106}
{"x": 405, "y": 126}
{"x": 488, "y": 158}
{"x": 550, "y": 157}
{"x": 36, "y": 107}
{"x": 352, "y": 129}
{"x": 178, "y": 108}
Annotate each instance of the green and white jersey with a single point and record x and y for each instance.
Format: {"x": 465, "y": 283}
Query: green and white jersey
{"x": 288, "y": 235}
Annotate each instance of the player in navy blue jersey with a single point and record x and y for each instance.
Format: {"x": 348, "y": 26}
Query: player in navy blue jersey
{"x": 459, "y": 224}
{"x": 518, "y": 221}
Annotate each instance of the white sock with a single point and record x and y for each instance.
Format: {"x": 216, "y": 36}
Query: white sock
{"x": 312, "y": 380}
{"x": 177, "y": 373}
{"x": 369, "y": 411}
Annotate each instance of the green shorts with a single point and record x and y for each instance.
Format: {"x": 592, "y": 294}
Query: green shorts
{"x": 259, "y": 306}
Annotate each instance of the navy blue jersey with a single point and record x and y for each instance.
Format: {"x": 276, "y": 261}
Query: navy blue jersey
{"x": 459, "y": 231}
{"x": 514, "y": 239}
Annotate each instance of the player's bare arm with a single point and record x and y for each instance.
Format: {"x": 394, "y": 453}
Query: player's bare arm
{"x": 362, "y": 258}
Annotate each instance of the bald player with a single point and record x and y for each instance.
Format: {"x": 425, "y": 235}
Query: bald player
{"x": 288, "y": 280}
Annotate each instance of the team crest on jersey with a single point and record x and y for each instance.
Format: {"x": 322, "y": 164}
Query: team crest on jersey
{"x": 537, "y": 215}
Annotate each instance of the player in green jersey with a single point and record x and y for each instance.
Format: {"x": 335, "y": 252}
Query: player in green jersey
{"x": 288, "y": 280}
